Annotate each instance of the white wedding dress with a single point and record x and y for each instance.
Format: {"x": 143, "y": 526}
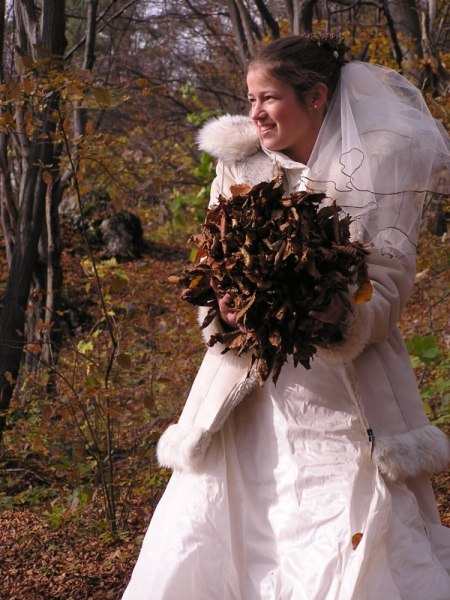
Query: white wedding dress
{"x": 285, "y": 486}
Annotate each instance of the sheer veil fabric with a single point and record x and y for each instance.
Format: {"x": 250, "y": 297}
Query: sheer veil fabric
{"x": 378, "y": 149}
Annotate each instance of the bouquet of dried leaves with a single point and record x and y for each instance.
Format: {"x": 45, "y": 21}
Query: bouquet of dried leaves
{"x": 279, "y": 257}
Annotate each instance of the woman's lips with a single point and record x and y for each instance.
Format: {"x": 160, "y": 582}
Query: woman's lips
{"x": 266, "y": 129}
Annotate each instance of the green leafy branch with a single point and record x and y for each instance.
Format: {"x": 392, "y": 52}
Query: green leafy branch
{"x": 434, "y": 363}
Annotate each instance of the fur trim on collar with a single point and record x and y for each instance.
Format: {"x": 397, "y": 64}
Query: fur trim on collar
{"x": 229, "y": 138}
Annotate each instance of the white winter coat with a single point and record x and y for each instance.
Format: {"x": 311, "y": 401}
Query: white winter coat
{"x": 376, "y": 365}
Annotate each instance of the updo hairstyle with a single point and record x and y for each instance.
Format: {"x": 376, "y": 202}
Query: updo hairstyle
{"x": 302, "y": 61}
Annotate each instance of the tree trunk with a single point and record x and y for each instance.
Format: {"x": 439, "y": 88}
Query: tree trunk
{"x": 39, "y": 155}
{"x": 79, "y": 124}
{"x": 268, "y": 19}
{"x": 436, "y": 76}
{"x": 8, "y": 207}
{"x": 12, "y": 317}
{"x": 300, "y": 14}
{"x": 405, "y": 21}
{"x": 239, "y": 33}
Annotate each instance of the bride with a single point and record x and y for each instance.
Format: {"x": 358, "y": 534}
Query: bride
{"x": 316, "y": 488}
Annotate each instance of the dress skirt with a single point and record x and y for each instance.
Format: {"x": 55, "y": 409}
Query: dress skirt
{"x": 288, "y": 505}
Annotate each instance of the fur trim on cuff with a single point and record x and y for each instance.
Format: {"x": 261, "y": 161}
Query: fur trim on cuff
{"x": 407, "y": 455}
{"x": 356, "y": 336}
{"x": 230, "y": 138}
{"x": 181, "y": 448}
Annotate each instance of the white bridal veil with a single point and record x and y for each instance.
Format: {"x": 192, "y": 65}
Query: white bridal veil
{"x": 378, "y": 153}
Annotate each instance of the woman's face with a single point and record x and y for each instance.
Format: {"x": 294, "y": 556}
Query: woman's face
{"x": 285, "y": 124}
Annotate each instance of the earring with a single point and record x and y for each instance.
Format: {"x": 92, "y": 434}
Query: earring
{"x": 315, "y": 106}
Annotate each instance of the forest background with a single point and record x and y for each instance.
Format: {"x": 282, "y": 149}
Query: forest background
{"x": 100, "y": 102}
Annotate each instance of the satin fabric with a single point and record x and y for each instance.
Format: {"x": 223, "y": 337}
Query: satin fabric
{"x": 285, "y": 486}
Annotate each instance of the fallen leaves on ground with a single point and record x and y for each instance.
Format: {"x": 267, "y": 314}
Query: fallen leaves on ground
{"x": 77, "y": 559}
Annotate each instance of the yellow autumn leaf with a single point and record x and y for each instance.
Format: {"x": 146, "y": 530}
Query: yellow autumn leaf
{"x": 6, "y": 119}
{"x": 194, "y": 283}
{"x": 47, "y": 177}
{"x": 102, "y": 96}
{"x": 9, "y": 378}
{"x": 33, "y": 348}
{"x": 27, "y": 62}
{"x": 239, "y": 189}
{"x": 356, "y": 538}
{"x": 363, "y": 293}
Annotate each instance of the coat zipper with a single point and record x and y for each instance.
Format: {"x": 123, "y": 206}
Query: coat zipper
{"x": 356, "y": 400}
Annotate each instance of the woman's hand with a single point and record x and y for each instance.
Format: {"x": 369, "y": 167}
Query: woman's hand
{"x": 227, "y": 315}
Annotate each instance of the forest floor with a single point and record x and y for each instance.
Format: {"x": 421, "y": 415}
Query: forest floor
{"x": 56, "y": 542}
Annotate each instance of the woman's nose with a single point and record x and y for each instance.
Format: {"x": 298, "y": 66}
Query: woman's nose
{"x": 257, "y": 111}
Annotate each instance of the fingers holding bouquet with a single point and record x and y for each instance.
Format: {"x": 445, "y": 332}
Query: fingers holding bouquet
{"x": 227, "y": 313}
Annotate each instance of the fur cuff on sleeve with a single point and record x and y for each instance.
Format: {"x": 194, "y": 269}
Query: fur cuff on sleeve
{"x": 407, "y": 455}
{"x": 182, "y": 448}
{"x": 356, "y": 336}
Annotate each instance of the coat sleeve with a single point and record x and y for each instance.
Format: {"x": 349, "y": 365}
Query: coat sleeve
{"x": 392, "y": 229}
{"x": 392, "y": 279}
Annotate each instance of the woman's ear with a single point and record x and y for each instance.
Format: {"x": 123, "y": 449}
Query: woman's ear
{"x": 317, "y": 97}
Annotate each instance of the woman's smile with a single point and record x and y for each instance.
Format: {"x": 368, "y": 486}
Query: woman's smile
{"x": 265, "y": 129}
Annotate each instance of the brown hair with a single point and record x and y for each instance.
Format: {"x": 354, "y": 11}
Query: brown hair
{"x": 303, "y": 60}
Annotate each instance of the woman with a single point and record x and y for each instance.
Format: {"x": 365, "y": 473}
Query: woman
{"x": 316, "y": 488}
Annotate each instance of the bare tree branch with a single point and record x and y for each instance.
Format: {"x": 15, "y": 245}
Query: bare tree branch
{"x": 100, "y": 18}
{"x": 239, "y": 31}
{"x": 393, "y": 33}
{"x": 405, "y": 22}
